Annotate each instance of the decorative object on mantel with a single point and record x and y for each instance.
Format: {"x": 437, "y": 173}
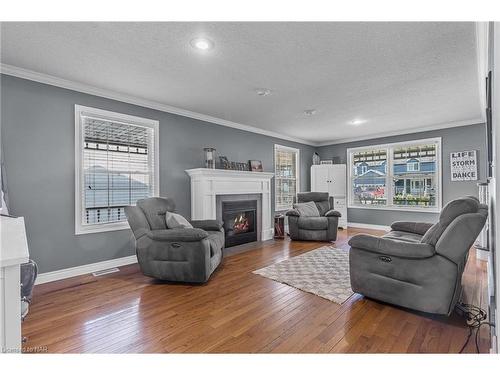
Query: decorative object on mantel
{"x": 223, "y": 162}
{"x": 326, "y": 161}
{"x": 279, "y": 227}
{"x": 255, "y": 165}
{"x": 232, "y": 165}
{"x": 463, "y": 165}
{"x": 316, "y": 158}
{"x": 209, "y": 157}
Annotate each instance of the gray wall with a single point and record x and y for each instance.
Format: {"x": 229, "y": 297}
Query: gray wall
{"x": 38, "y": 142}
{"x": 472, "y": 137}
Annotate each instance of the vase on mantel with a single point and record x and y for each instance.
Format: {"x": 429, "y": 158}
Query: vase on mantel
{"x": 316, "y": 159}
{"x": 209, "y": 157}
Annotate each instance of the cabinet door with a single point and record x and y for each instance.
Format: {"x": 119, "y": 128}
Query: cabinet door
{"x": 319, "y": 178}
{"x": 338, "y": 179}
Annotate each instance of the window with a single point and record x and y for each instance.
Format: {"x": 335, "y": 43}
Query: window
{"x": 286, "y": 176}
{"x": 116, "y": 163}
{"x": 413, "y": 165}
{"x": 399, "y": 176}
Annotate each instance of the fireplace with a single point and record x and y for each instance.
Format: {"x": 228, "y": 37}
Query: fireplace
{"x": 240, "y": 221}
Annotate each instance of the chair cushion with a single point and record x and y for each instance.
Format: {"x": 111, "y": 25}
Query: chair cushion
{"x": 323, "y": 207}
{"x": 403, "y": 236}
{"x": 449, "y": 213}
{"x": 313, "y": 223}
{"x": 155, "y": 209}
{"x": 174, "y": 221}
{"x": 307, "y": 209}
{"x": 321, "y": 199}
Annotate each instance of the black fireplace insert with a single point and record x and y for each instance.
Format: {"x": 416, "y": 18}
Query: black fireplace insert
{"x": 240, "y": 221}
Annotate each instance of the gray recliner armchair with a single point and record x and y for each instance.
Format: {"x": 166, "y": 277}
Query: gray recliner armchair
{"x": 184, "y": 255}
{"x": 310, "y": 228}
{"x": 418, "y": 265}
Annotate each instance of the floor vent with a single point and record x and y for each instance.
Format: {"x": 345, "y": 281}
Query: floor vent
{"x": 105, "y": 272}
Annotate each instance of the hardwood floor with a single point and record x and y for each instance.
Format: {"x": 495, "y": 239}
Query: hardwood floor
{"x": 236, "y": 312}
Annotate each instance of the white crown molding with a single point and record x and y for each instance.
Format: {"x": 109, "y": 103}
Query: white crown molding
{"x": 109, "y": 94}
{"x": 66, "y": 273}
{"x": 403, "y": 132}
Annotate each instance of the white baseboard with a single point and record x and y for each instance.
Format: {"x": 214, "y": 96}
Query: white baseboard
{"x": 66, "y": 273}
{"x": 369, "y": 226}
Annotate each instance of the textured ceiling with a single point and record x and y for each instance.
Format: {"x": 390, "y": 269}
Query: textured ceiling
{"x": 396, "y": 76}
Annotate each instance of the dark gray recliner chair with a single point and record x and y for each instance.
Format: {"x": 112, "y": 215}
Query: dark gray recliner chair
{"x": 418, "y": 265}
{"x": 322, "y": 228}
{"x": 185, "y": 255}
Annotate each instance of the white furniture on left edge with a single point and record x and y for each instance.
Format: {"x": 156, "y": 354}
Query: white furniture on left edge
{"x": 332, "y": 178}
{"x": 13, "y": 252}
{"x": 206, "y": 184}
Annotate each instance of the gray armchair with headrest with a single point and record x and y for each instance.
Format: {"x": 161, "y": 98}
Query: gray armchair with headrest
{"x": 184, "y": 255}
{"x": 309, "y": 228}
{"x": 418, "y": 265}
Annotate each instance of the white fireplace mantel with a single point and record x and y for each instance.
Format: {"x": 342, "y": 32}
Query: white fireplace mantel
{"x": 206, "y": 184}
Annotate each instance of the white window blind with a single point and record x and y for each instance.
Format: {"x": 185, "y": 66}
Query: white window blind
{"x": 118, "y": 166}
{"x": 286, "y": 160}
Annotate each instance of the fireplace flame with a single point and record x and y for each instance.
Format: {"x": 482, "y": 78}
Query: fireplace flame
{"x": 240, "y": 224}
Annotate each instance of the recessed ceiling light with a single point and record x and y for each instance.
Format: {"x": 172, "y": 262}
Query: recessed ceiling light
{"x": 310, "y": 112}
{"x": 357, "y": 122}
{"x": 202, "y": 44}
{"x": 263, "y": 92}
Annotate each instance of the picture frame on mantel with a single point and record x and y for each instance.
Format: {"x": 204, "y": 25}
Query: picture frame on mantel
{"x": 255, "y": 166}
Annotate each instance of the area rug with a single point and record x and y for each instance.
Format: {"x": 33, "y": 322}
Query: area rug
{"x": 323, "y": 272}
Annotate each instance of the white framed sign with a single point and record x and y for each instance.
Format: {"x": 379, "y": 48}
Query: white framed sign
{"x": 463, "y": 165}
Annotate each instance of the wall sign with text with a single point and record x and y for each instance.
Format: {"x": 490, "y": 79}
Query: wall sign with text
{"x": 463, "y": 165}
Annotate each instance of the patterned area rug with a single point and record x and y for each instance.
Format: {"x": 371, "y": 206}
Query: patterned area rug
{"x": 323, "y": 272}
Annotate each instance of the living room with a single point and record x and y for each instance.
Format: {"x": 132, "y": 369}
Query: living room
{"x": 249, "y": 187}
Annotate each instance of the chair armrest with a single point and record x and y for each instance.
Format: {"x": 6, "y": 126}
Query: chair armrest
{"x": 333, "y": 213}
{"x": 411, "y": 227}
{"x": 386, "y": 246}
{"x": 207, "y": 224}
{"x": 178, "y": 235}
{"x": 293, "y": 212}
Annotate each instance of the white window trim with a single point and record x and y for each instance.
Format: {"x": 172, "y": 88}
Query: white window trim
{"x": 297, "y": 179}
{"x": 417, "y": 164}
{"x": 389, "y": 195}
{"x": 81, "y": 228}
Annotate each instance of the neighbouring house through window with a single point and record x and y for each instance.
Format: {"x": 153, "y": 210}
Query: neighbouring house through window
{"x": 286, "y": 176}
{"x": 116, "y": 164}
{"x": 402, "y": 176}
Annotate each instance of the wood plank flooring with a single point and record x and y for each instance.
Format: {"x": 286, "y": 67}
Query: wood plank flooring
{"x": 236, "y": 312}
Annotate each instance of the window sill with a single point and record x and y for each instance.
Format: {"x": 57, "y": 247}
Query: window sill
{"x": 98, "y": 228}
{"x": 281, "y": 209}
{"x": 434, "y": 210}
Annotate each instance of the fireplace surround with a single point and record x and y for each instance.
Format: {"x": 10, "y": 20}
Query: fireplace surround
{"x": 209, "y": 187}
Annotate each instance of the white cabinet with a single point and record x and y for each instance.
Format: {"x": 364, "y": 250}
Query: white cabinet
{"x": 332, "y": 179}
